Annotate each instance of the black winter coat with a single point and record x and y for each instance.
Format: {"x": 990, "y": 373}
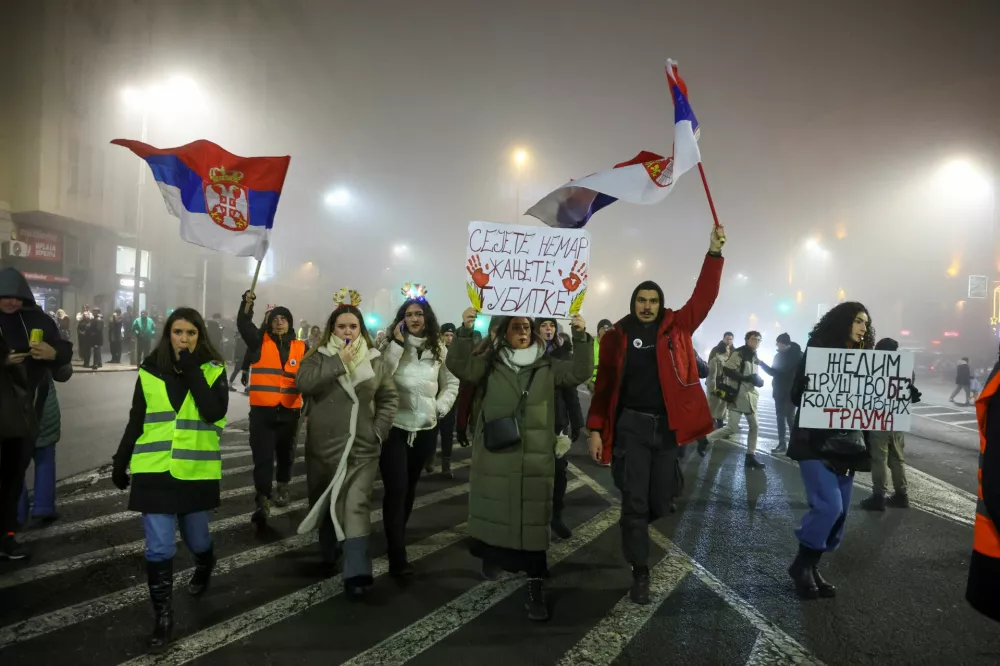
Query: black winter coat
{"x": 962, "y": 375}
{"x": 162, "y": 493}
{"x": 569, "y": 414}
{"x": 783, "y": 370}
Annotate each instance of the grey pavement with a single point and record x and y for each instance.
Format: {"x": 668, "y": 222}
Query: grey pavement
{"x": 720, "y": 591}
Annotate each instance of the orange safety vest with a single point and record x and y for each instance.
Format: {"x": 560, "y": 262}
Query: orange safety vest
{"x": 272, "y": 385}
{"x": 985, "y": 539}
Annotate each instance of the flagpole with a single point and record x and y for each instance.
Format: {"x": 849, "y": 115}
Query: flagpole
{"x": 253, "y": 285}
{"x": 708, "y": 193}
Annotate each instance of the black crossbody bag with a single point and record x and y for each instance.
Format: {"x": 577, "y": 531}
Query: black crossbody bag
{"x": 505, "y": 432}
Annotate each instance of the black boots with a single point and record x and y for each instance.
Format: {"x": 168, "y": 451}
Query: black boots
{"x": 801, "y": 572}
{"x": 805, "y": 574}
{"x": 559, "y": 527}
{"x": 203, "y": 565}
{"x": 263, "y": 512}
{"x": 899, "y": 500}
{"x": 751, "y": 462}
{"x": 446, "y": 468}
{"x": 873, "y": 503}
{"x": 640, "y": 586}
{"x": 160, "y": 577}
{"x": 399, "y": 566}
{"x": 538, "y": 610}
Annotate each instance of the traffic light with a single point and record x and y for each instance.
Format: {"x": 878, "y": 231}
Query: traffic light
{"x": 372, "y": 322}
{"x": 784, "y": 307}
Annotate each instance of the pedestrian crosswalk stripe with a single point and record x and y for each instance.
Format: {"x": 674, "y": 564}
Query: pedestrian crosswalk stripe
{"x": 40, "y": 625}
{"x": 605, "y": 642}
{"x": 438, "y": 625}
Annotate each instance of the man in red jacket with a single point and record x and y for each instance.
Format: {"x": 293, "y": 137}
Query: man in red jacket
{"x": 648, "y": 401}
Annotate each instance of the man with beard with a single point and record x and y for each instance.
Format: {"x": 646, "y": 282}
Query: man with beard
{"x": 19, "y": 318}
{"x": 648, "y": 401}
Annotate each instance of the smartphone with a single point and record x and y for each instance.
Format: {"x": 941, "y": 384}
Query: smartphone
{"x": 37, "y": 335}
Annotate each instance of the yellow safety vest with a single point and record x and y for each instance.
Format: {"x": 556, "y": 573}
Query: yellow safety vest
{"x": 178, "y": 442}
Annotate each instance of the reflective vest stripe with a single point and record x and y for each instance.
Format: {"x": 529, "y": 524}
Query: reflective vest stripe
{"x": 180, "y": 443}
{"x": 271, "y": 384}
{"x": 985, "y": 539}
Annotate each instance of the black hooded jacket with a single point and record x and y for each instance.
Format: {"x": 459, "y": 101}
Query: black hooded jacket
{"x": 16, "y": 329}
{"x": 641, "y": 390}
{"x": 783, "y": 369}
{"x": 254, "y": 339}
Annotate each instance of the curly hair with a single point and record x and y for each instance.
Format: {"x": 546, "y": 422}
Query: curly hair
{"x": 834, "y": 328}
{"x": 432, "y": 330}
{"x": 332, "y": 321}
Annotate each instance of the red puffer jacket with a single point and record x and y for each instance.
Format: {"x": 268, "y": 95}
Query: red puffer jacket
{"x": 684, "y": 398}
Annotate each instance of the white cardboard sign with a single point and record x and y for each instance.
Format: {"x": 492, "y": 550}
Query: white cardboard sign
{"x": 514, "y": 269}
{"x": 857, "y": 389}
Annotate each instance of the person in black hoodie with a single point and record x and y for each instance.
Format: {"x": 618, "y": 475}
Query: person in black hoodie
{"x": 274, "y": 355}
{"x": 569, "y": 420}
{"x": 185, "y": 367}
{"x": 96, "y": 340}
{"x": 19, "y": 316}
{"x": 115, "y": 335}
{"x": 782, "y": 371}
{"x": 827, "y": 459}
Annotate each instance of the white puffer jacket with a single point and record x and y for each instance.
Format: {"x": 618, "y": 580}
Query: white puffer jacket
{"x": 427, "y": 389}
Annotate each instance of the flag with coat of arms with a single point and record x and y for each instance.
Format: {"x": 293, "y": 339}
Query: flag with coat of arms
{"x": 224, "y": 202}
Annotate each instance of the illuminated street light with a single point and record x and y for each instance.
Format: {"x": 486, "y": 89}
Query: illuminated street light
{"x": 338, "y": 198}
{"x": 960, "y": 177}
{"x": 400, "y": 250}
{"x": 603, "y": 286}
{"x": 520, "y": 157}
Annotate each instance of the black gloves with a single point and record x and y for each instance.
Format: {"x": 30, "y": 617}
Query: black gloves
{"x": 463, "y": 437}
{"x": 574, "y": 435}
{"x": 244, "y": 378}
{"x": 914, "y": 394}
{"x": 119, "y": 476}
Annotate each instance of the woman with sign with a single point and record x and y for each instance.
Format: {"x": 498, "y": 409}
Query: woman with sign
{"x": 513, "y": 450}
{"x": 827, "y": 459}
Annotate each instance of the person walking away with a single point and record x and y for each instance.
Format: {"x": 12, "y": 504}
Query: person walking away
{"x": 716, "y": 404}
{"x": 446, "y": 426}
{"x": 648, "y": 401}
{"x": 171, "y": 444}
{"x": 569, "y": 421}
{"x": 42, "y": 504}
{"x": 144, "y": 331}
{"x": 20, "y": 318}
{"x": 275, "y": 402}
{"x": 350, "y": 400}
{"x": 963, "y": 381}
{"x": 983, "y": 589}
{"x": 97, "y": 340}
{"x": 83, "y": 340}
{"x": 115, "y": 335}
{"x": 827, "y": 459}
{"x": 886, "y": 450}
{"x": 427, "y": 391}
{"x": 785, "y": 365}
{"x": 512, "y": 476}
{"x": 740, "y": 374}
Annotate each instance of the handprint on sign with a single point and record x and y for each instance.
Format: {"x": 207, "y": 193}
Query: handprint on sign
{"x": 577, "y": 275}
{"x": 475, "y": 269}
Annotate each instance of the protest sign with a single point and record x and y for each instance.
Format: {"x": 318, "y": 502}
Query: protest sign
{"x": 526, "y": 271}
{"x": 857, "y": 389}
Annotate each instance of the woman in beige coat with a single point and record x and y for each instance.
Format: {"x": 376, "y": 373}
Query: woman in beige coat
{"x": 716, "y": 360}
{"x": 350, "y": 401}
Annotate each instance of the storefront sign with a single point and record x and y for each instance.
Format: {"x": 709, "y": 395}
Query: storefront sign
{"x": 129, "y": 283}
{"x": 43, "y": 245}
{"x": 43, "y": 277}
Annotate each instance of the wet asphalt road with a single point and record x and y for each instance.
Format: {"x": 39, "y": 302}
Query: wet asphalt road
{"x": 721, "y": 594}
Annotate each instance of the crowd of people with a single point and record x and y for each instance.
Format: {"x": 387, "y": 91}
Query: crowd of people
{"x": 379, "y": 405}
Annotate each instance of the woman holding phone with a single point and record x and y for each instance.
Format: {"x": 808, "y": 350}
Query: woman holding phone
{"x": 171, "y": 443}
{"x": 350, "y": 401}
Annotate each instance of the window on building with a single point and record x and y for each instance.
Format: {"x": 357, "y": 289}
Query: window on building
{"x": 125, "y": 261}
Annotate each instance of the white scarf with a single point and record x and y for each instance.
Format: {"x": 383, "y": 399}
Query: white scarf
{"x": 516, "y": 359}
{"x": 360, "y": 370}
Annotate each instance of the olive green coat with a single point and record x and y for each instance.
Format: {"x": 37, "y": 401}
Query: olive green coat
{"x": 345, "y": 426}
{"x": 510, "y": 491}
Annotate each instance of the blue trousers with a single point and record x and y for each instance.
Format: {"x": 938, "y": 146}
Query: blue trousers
{"x": 829, "y": 496}
{"x": 161, "y": 544}
{"x": 44, "y": 496}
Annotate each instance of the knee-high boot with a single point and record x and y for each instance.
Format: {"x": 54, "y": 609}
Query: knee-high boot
{"x": 161, "y": 586}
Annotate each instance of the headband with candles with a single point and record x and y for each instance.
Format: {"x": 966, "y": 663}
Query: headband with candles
{"x": 414, "y": 291}
{"x": 346, "y": 297}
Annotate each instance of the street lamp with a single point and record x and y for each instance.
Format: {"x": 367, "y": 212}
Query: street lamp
{"x": 338, "y": 198}
{"x": 176, "y": 93}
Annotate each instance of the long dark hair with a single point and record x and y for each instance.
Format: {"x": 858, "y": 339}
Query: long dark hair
{"x": 332, "y": 321}
{"x": 834, "y": 328}
{"x": 432, "y": 331}
{"x": 205, "y": 351}
{"x": 500, "y": 342}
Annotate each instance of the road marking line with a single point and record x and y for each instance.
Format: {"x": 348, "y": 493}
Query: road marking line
{"x": 964, "y": 422}
{"x": 927, "y": 416}
{"x": 434, "y": 627}
{"x": 947, "y": 423}
{"x": 30, "y": 574}
{"x": 792, "y": 650}
{"x": 246, "y": 624}
{"x": 59, "y": 619}
{"x": 606, "y": 640}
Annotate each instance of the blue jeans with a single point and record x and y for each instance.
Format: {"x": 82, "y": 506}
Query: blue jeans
{"x": 44, "y": 497}
{"x": 829, "y": 496}
{"x": 161, "y": 544}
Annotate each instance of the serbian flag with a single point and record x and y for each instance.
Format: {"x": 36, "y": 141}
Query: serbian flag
{"x": 647, "y": 178}
{"x": 225, "y": 202}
